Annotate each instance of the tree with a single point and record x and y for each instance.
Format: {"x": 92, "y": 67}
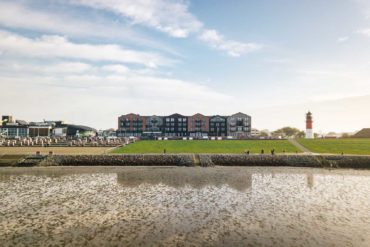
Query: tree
{"x": 301, "y": 134}
{"x": 345, "y": 135}
{"x": 288, "y": 131}
{"x": 264, "y": 134}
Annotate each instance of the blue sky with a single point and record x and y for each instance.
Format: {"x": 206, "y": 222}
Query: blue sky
{"x": 89, "y": 61}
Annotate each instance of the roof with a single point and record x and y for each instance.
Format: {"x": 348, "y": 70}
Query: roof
{"x": 81, "y": 127}
{"x": 176, "y": 115}
{"x": 240, "y": 114}
{"x": 21, "y": 122}
{"x": 364, "y": 133}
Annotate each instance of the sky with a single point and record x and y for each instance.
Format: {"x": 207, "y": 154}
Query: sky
{"x": 90, "y": 61}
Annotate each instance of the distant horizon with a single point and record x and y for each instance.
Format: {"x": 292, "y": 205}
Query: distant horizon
{"x": 88, "y": 62}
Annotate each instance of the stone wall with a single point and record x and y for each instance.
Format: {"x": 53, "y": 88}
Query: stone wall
{"x": 120, "y": 160}
{"x": 204, "y": 160}
{"x": 265, "y": 160}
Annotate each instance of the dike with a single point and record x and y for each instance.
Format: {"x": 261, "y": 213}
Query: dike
{"x": 203, "y": 160}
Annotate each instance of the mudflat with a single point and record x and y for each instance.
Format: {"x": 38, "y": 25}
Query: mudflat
{"x": 184, "y": 206}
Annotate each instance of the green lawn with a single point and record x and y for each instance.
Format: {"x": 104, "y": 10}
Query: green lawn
{"x": 203, "y": 146}
{"x": 337, "y": 146}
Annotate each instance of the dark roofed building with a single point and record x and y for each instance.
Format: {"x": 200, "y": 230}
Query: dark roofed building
{"x": 364, "y": 133}
{"x": 175, "y": 125}
{"x": 80, "y": 130}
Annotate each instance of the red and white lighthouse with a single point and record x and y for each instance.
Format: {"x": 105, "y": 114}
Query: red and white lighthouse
{"x": 309, "y": 131}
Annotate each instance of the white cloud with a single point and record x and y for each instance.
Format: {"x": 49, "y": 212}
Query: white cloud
{"x": 364, "y": 6}
{"x": 20, "y": 16}
{"x": 233, "y": 48}
{"x": 278, "y": 60}
{"x": 365, "y": 32}
{"x": 94, "y": 90}
{"x": 15, "y": 15}
{"x": 171, "y": 17}
{"x": 53, "y": 46}
{"x": 342, "y": 39}
{"x": 116, "y": 68}
{"x": 51, "y": 68}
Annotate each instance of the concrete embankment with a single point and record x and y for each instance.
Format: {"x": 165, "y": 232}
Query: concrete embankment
{"x": 204, "y": 160}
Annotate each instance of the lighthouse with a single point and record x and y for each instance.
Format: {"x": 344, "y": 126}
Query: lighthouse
{"x": 309, "y": 131}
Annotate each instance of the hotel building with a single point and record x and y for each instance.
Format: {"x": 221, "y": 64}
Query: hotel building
{"x": 176, "y": 125}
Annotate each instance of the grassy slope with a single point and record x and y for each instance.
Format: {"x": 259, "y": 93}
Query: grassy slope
{"x": 231, "y": 146}
{"x": 337, "y": 146}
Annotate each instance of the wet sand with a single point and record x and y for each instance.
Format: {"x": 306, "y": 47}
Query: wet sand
{"x": 179, "y": 206}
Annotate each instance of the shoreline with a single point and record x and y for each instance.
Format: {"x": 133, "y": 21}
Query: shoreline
{"x": 189, "y": 160}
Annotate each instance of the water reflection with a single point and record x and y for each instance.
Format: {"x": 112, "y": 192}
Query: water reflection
{"x": 221, "y": 206}
{"x": 196, "y": 178}
{"x": 310, "y": 180}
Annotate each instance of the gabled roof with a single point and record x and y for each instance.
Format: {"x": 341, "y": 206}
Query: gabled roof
{"x": 239, "y": 114}
{"x": 176, "y": 115}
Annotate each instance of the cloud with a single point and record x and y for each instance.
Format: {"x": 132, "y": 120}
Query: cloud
{"x": 116, "y": 68}
{"x": 171, "y": 17}
{"x": 342, "y": 39}
{"x": 233, "y": 48}
{"x": 278, "y": 60}
{"x": 51, "y": 68}
{"x": 90, "y": 89}
{"x": 365, "y": 32}
{"x": 54, "y": 46}
{"x": 20, "y": 16}
{"x": 364, "y": 6}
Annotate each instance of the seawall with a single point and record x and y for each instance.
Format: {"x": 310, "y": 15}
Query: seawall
{"x": 204, "y": 160}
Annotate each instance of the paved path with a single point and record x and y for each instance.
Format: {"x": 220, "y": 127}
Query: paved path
{"x": 299, "y": 146}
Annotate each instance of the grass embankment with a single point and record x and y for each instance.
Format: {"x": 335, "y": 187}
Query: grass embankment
{"x": 198, "y": 146}
{"x": 337, "y": 146}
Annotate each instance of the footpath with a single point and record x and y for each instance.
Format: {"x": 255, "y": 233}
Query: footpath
{"x": 299, "y": 146}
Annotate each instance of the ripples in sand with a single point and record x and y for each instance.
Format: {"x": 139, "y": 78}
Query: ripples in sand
{"x": 222, "y": 206}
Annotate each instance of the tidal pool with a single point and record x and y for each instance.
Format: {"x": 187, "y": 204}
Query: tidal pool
{"x": 178, "y": 206}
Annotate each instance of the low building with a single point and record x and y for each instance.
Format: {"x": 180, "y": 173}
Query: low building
{"x": 80, "y": 131}
{"x": 14, "y": 131}
{"x": 59, "y": 131}
{"x": 239, "y": 125}
{"x": 40, "y": 129}
{"x": 218, "y": 126}
{"x": 153, "y": 126}
{"x": 175, "y": 125}
{"x": 198, "y": 125}
{"x": 131, "y": 125}
{"x": 255, "y": 133}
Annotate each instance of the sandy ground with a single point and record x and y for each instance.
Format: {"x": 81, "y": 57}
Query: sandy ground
{"x": 55, "y": 150}
{"x": 168, "y": 206}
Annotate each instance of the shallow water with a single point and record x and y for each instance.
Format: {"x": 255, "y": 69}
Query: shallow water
{"x": 221, "y": 206}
